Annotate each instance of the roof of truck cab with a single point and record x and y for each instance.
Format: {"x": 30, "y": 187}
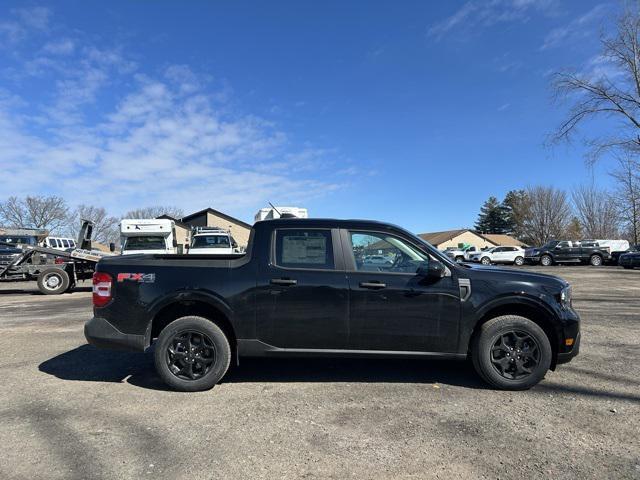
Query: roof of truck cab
{"x": 328, "y": 223}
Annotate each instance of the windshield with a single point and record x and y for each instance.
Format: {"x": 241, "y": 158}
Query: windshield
{"x": 211, "y": 241}
{"x": 145, "y": 243}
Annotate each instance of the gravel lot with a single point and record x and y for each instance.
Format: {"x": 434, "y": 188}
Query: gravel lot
{"x": 68, "y": 410}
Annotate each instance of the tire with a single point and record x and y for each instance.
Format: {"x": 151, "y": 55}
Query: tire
{"x": 595, "y": 260}
{"x": 546, "y": 260}
{"x": 490, "y": 348}
{"x": 459, "y": 259}
{"x": 519, "y": 261}
{"x": 485, "y": 261}
{"x": 53, "y": 281}
{"x": 209, "y": 343}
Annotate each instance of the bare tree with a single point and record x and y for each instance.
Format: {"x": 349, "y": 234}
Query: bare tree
{"x": 596, "y": 212}
{"x": 549, "y": 214}
{"x": 49, "y": 213}
{"x": 627, "y": 195}
{"x": 12, "y": 213}
{"x": 154, "y": 212}
{"x": 105, "y": 227}
{"x": 614, "y": 96}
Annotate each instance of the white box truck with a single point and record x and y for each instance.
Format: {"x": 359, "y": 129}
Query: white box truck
{"x": 155, "y": 235}
{"x": 271, "y": 213}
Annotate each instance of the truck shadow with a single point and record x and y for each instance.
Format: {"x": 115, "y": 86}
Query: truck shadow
{"x": 89, "y": 364}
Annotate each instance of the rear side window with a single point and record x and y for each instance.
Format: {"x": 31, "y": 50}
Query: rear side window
{"x": 65, "y": 243}
{"x": 304, "y": 249}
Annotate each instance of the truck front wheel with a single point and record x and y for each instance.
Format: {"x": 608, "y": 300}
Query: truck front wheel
{"x": 511, "y": 353}
{"x": 192, "y": 354}
{"x": 53, "y": 281}
{"x": 595, "y": 260}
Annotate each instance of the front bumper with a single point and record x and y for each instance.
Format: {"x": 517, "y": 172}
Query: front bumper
{"x": 565, "y": 357}
{"x": 102, "y": 334}
{"x": 532, "y": 260}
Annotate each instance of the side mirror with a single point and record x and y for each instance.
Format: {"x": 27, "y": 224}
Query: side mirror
{"x": 112, "y": 247}
{"x": 432, "y": 269}
{"x": 234, "y": 244}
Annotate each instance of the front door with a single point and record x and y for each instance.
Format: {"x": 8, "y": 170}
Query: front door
{"x": 392, "y": 308}
{"x": 302, "y": 293}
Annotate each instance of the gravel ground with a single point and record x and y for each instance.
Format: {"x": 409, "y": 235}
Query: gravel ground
{"x": 69, "y": 411}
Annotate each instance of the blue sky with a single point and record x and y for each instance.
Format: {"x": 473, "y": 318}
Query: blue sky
{"x": 411, "y": 112}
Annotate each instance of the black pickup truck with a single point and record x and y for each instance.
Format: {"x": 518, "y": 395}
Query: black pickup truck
{"x": 565, "y": 251}
{"x": 305, "y": 288}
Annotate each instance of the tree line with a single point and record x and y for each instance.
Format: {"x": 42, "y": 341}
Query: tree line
{"x": 52, "y": 213}
{"x": 538, "y": 214}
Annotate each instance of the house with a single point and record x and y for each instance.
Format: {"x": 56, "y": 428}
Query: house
{"x": 504, "y": 240}
{"x": 213, "y": 218}
{"x": 465, "y": 236}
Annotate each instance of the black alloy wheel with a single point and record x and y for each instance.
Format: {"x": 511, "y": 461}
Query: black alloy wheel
{"x": 190, "y": 355}
{"x": 515, "y": 355}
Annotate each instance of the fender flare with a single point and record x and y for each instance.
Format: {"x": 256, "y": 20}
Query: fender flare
{"x": 186, "y": 295}
{"x": 513, "y": 299}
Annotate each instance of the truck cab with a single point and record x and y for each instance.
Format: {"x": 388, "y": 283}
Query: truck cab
{"x": 147, "y": 236}
{"x": 212, "y": 241}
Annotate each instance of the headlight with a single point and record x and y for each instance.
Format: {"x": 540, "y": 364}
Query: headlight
{"x": 565, "y": 296}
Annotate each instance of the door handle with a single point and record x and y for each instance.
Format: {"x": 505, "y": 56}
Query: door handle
{"x": 283, "y": 281}
{"x": 373, "y": 285}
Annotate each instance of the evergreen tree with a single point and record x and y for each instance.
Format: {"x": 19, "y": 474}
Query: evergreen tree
{"x": 516, "y": 206}
{"x": 493, "y": 217}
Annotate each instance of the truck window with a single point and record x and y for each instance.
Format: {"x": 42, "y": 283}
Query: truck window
{"x": 65, "y": 243}
{"x": 304, "y": 249}
{"x": 211, "y": 241}
{"x": 379, "y": 252}
{"x": 151, "y": 242}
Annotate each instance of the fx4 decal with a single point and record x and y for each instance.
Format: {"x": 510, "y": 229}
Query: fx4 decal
{"x": 137, "y": 277}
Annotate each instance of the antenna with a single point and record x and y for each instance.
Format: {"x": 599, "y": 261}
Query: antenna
{"x": 274, "y": 208}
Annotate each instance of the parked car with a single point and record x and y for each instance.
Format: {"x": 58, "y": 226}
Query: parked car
{"x": 565, "y": 251}
{"x": 509, "y": 255}
{"x": 458, "y": 254}
{"x": 303, "y": 289}
{"x": 631, "y": 258}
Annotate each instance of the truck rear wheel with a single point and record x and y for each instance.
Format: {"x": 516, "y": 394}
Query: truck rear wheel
{"x": 595, "y": 260}
{"x": 511, "y": 353}
{"x": 53, "y": 281}
{"x": 192, "y": 354}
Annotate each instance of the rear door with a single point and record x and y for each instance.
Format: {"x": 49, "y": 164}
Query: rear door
{"x": 392, "y": 308}
{"x": 302, "y": 293}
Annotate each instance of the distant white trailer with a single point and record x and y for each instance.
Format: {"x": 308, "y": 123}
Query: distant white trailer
{"x": 612, "y": 245}
{"x": 270, "y": 213}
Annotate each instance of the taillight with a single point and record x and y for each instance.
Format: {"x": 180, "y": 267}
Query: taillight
{"x": 102, "y": 283}
{"x": 59, "y": 261}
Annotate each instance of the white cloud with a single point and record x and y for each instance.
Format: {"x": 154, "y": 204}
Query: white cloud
{"x": 578, "y": 28}
{"x": 63, "y": 46}
{"x": 23, "y": 21}
{"x": 106, "y": 132}
{"x": 481, "y": 14}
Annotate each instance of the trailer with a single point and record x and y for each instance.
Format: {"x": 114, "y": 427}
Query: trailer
{"x": 60, "y": 276}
